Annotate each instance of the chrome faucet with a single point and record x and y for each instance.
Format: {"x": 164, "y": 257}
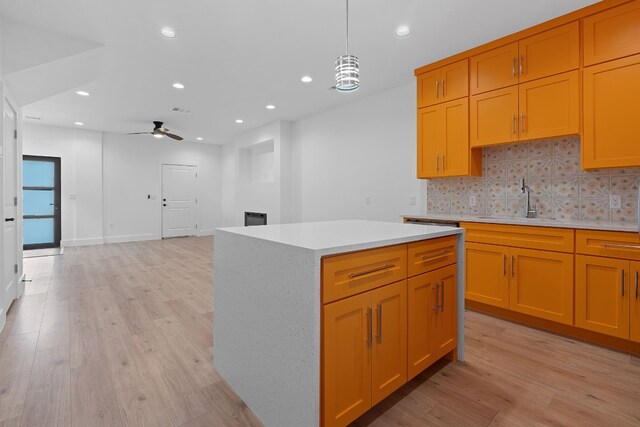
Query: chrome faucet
{"x": 530, "y": 211}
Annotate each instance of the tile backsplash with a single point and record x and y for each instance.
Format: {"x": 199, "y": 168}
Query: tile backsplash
{"x": 559, "y": 188}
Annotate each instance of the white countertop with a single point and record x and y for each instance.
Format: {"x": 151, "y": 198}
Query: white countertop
{"x": 329, "y": 237}
{"x": 539, "y": 222}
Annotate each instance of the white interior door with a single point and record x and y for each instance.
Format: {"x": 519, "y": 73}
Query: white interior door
{"x": 9, "y": 168}
{"x": 179, "y": 192}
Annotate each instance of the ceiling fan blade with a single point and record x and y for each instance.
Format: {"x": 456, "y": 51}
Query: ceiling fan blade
{"x": 172, "y": 136}
{"x": 140, "y": 133}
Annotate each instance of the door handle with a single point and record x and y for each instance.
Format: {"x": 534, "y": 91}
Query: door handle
{"x": 513, "y": 67}
{"x": 504, "y": 266}
{"x": 521, "y": 65}
{"x": 370, "y": 326}
{"x": 437, "y": 298}
{"x": 513, "y": 125}
{"x": 437, "y": 89}
{"x": 379, "y": 336}
{"x": 636, "y": 285}
{"x": 443, "y": 88}
{"x": 437, "y": 163}
{"x": 522, "y": 123}
{"x": 442, "y": 296}
{"x": 513, "y": 266}
{"x": 622, "y": 283}
{"x": 9, "y": 219}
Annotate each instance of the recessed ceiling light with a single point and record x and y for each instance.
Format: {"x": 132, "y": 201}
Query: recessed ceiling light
{"x": 157, "y": 135}
{"x": 199, "y": 138}
{"x": 82, "y": 93}
{"x": 178, "y": 85}
{"x": 271, "y": 107}
{"x": 306, "y": 79}
{"x": 239, "y": 121}
{"x": 168, "y": 33}
{"x": 403, "y": 31}
{"x": 79, "y": 124}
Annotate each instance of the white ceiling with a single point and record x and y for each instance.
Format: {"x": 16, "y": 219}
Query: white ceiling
{"x": 236, "y": 56}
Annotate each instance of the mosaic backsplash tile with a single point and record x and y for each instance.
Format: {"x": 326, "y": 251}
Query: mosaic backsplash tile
{"x": 559, "y": 188}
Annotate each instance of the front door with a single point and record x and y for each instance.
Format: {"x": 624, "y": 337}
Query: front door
{"x": 179, "y": 190}
{"x": 10, "y": 279}
{"x": 41, "y": 202}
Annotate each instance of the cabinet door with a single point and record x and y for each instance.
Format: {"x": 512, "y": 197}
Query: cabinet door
{"x": 542, "y": 284}
{"x": 611, "y": 94}
{"x": 550, "y": 107}
{"x": 445, "y": 333}
{"x": 421, "y": 315}
{"x": 455, "y": 153}
{"x": 430, "y": 137}
{"x": 487, "y": 274}
{"x": 346, "y": 357}
{"x": 390, "y": 340}
{"x": 602, "y": 295}
{"x": 494, "y": 117}
{"x": 634, "y": 306}
{"x": 455, "y": 80}
{"x": 550, "y": 52}
{"x": 612, "y": 34}
{"x": 494, "y": 69}
{"x": 429, "y": 90}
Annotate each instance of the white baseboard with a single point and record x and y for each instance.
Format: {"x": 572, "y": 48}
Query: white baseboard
{"x": 206, "y": 232}
{"x": 82, "y": 242}
{"x": 131, "y": 238}
{"x": 3, "y": 318}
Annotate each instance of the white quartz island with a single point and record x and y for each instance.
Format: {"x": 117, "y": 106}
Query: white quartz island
{"x": 267, "y": 307}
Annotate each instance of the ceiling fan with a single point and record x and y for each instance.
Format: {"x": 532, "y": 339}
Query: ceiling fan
{"x": 159, "y": 132}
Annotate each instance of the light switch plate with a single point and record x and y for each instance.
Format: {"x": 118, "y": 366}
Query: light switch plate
{"x": 615, "y": 201}
{"x": 412, "y": 200}
{"x": 472, "y": 200}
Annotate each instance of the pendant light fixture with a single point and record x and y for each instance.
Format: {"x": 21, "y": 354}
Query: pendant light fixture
{"x": 347, "y": 68}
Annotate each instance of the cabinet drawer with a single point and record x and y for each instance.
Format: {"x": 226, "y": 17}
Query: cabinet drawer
{"x": 428, "y": 255}
{"x": 610, "y": 244}
{"x": 352, "y": 273}
{"x": 521, "y": 236}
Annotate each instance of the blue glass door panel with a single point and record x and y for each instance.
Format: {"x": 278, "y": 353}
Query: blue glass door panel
{"x": 38, "y": 231}
{"x": 38, "y": 202}
{"x": 41, "y": 202}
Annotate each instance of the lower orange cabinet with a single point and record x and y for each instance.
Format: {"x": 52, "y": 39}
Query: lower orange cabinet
{"x": 602, "y": 295}
{"x": 634, "y": 295}
{"x": 364, "y": 351}
{"x": 533, "y": 282}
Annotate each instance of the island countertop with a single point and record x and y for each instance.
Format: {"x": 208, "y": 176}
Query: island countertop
{"x": 333, "y": 237}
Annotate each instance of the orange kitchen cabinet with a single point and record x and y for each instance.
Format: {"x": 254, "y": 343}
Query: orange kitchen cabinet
{"x": 541, "y": 284}
{"x": 549, "y": 107}
{"x": 443, "y": 141}
{"x": 634, "y": 302}
{"x": 494, "y": 117}
{"x": 389, "y": 361}
{"x": 602, "y": 295}
{"x": 549, "y": 52}
{"x": 346, "y": 357}
{"x": 612, "y": 34}
{"x": 611, "y": 94}
{"x": 487, "y": 279}
{"x": 444, "y": 330}
{"x": 444, "y": 84}
{"x": 494, "y": 69}
{"x": 432, "y": 317}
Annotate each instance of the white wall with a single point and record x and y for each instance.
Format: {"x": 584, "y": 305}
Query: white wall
{"x": 81, "y": 175}
{"x": 133, "y": 170}
{"x": 111, "y": 176}
{"x": 364, "y": 148}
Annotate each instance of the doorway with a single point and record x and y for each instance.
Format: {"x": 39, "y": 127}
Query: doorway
{"x": 179, "y": 200}
{"x": 41, "y": 202}
{"x": 10, "y": 179}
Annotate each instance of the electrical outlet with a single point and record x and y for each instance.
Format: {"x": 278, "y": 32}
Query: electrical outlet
{"x": 412, "y": 200}
{"x": 472, "y": 200}
{"x": 615, "y": 201}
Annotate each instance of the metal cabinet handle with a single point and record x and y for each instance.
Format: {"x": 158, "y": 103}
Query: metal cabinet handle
{"x": 619, "y": 246}
{"x": 522, "y": 123}
{"x": 504, "y": 266}
{"x": 513, "y": 125}
{"x": 437, "y": 89}
{"x": 636, "y": 285}
{"x": 373, "y": 270}
{"x": 513, "y": 67}
{"x": 436, "y": 308}
{"x": 437, "y": 163}
{"x": 443, "y": 95}
{"x": 521, "y": 64}
{"x": 379, "y": 336}
{"x": 622, "y": 283}
{"x": 513, "y": 266}
{"x": 370, "y": 327}
{"x": 443, "y": 166}
{"x": 442, "y": 296}
{"x": 442, "y": 254}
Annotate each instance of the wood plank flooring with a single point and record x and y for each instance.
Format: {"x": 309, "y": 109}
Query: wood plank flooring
{"x": 121, "y": 334}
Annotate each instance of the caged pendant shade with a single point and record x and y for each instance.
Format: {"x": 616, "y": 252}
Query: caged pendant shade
{"x": 347, "y": 67}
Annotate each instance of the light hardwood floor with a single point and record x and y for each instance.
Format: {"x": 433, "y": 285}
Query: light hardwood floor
{"x": 122, "y": 335}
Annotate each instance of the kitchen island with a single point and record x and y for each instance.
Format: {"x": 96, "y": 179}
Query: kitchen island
{"x": 278, "y": 293}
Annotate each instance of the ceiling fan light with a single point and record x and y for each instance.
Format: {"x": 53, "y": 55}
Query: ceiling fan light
{"x": 157, "y": 135}
{"x": 347, "y": 73}
{"x": 168, "y": 32}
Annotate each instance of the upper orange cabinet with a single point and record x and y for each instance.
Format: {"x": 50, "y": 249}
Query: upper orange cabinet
{"x": 612, "y": 34}
{"x": 550, "y": 52}
{"x": 611, "y": 105}
{"x": 443, "y": 84}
